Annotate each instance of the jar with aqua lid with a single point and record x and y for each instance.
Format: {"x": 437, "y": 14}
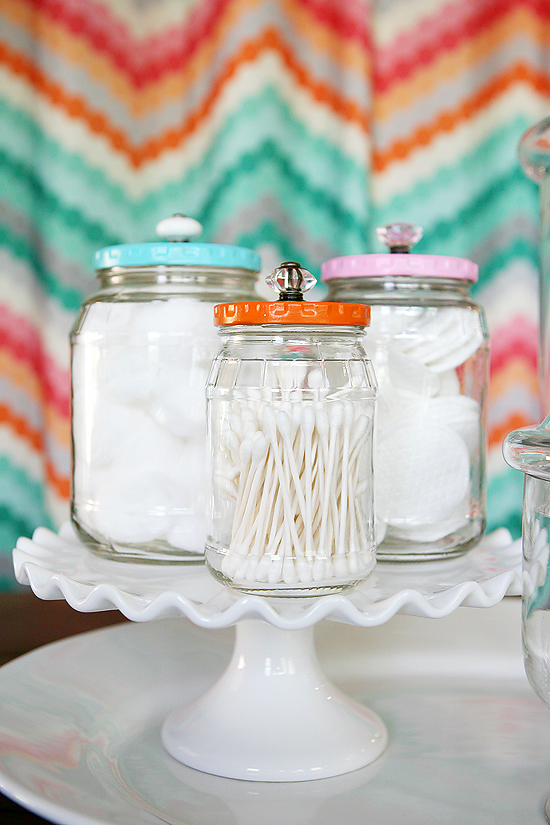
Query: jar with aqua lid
{"x": 141, "y": 350}
{"x": 428, "y": 342}
{"x": 290, "y": 408}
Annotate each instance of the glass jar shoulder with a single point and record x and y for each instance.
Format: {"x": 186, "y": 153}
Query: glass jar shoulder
{"x": 402, "y": 291}
{"x": 160, "y": 297}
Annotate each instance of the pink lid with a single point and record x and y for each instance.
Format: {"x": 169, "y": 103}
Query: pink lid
{"x": 399, "y": 238}
{"x": 399, "y": 263}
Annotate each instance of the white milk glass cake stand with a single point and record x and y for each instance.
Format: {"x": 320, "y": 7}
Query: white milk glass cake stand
{"x": 273, "y": 716}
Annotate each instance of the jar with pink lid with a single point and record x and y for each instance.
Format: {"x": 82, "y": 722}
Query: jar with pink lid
{"x": 429, "y": 346}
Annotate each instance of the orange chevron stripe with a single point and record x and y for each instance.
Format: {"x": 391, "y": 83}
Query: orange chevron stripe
{"x": 77, "y": 50}
{"x": 516, "y": 372}
{"x": 19, "y": 374}
{"x": 499, "y": 433}
{"x": 77, "y": 107}
{"x": 519, "y": 22}
{"x": 446, "y": 121}
{"x": 34, "y": 438}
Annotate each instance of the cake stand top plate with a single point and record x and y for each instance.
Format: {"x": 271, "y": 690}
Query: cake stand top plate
{"x": 58, "y": 565}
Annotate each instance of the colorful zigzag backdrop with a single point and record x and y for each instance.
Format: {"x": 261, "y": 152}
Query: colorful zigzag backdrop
{"x": 291, "y": 126}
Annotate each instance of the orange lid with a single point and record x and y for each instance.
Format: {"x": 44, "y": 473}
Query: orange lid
{"x": 292, "y": 312}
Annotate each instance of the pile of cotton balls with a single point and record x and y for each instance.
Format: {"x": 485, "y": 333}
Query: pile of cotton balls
{"x": 428, "y": 438}
{"x": 139, "y": 424}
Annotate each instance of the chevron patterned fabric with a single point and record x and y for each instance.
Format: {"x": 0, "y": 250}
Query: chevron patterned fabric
{"x": 294, "y": 127}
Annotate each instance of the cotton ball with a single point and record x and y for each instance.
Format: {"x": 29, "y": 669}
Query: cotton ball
{"x": 189, "y": 533}
{"x": 172, "y": 316}
{"x": 150, "y": 447}
{"x": 189, "y": 473}
{"x": 105, "y": 431}
{"x": 131, "y": 508}
{"x": 126, "y": 372}
{"x": 179, "y": 398}
{"x": 106, "y": 318}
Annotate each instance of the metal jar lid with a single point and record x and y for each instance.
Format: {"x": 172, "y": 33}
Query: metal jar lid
{"x": 400, "y": 239}
{"x": 178, "y": 249}
{"x": 291, "y": 280}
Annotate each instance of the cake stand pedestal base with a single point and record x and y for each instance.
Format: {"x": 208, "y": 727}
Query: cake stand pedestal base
{"x": 273, "y": 716}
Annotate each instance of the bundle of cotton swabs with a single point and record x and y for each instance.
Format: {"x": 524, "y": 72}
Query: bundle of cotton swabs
{"x": 298, "y": 473}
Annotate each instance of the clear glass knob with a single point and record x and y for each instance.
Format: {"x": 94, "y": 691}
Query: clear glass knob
{"x": 178, "y": 228}
{"x": 291, "y": 280}
{"x": 399, "y": 237}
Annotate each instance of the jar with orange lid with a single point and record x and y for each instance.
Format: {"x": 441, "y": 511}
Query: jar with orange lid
{"x": 290, "y": 408}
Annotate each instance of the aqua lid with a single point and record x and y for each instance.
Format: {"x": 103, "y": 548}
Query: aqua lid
{"x": 400, "y": 238}
{"x": 178, "y": 249}
{"x": 528, "y": 450}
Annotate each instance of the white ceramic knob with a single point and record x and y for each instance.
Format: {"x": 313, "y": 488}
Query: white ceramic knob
{"x": 178, "y": 228}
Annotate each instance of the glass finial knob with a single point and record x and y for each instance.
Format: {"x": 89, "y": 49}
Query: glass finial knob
{"x": 399, "y": 237}
{"x": 291, "y": 280}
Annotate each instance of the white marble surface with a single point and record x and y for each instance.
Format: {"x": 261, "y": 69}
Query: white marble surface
{"x": 469, "y": 741}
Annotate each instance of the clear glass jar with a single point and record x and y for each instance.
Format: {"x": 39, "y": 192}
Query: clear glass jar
{"x": 528, "y": 450}
{"x": 290, "y": 403}
{"x": 141, "y": 350}
{"x": 428, "y": 342}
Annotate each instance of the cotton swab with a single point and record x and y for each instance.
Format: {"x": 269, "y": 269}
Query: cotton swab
{"x": 294, "y": 469}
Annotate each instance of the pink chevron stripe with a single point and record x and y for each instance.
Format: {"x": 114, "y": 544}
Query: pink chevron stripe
{"x": 350, "y": 20}
{"x": 519, "y": 339}
{"x": 24, "y": 342}
{"x": 147, "y": 60}
{"x": 453, "y": 24}
{"x": 170, "y": 50}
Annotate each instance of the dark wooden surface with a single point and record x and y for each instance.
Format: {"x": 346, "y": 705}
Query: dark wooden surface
{"x": 27, "y": 622}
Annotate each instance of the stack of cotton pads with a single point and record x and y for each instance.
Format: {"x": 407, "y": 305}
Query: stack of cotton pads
{"x": 297, "y": 474}
{"x": 139, "y": 376}
{"x": 428, "y": 433}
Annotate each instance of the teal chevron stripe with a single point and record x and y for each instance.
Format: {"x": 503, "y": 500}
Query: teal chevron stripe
{"x": 310, "y": 167}
{"x": 519, "y": 248}
{"x": 70, "y": 299}
{"x": 462, "y": 233}
{"x": 22, "y": 496}
{"x": 504, "y": 501}
{"x": 268, "y": 169}
{"x": 319, "y": 162}
{"x": 441, "y": 203}
{"x": 69, "y": 180}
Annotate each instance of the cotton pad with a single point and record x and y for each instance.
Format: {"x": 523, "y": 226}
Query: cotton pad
{"x": 422, "y": 473}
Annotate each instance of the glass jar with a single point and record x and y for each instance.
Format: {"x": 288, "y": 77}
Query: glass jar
{"x": 428, "y": 343}
{"x": 528, "y": 450}
{"x": 290, "y": 402}
{"x": 141, "y": 350}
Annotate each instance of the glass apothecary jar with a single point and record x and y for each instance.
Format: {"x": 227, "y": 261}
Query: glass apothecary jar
{"x": 528, "y": 450}
{"x": 141, "y": 351}
{"x": 290, "y": 402}
{"x": 428, "y": 342}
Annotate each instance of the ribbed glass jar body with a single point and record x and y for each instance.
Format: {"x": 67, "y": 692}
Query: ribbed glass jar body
{"x": 290, "y": 420}
{"x": 428, "y": 343}
{"x": 141, "y": 350}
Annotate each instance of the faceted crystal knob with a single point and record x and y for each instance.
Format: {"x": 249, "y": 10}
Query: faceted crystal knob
{"x": 178, "y": 228}
{"x": 291, "y": 280}
{"x": 399, "y": 237}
